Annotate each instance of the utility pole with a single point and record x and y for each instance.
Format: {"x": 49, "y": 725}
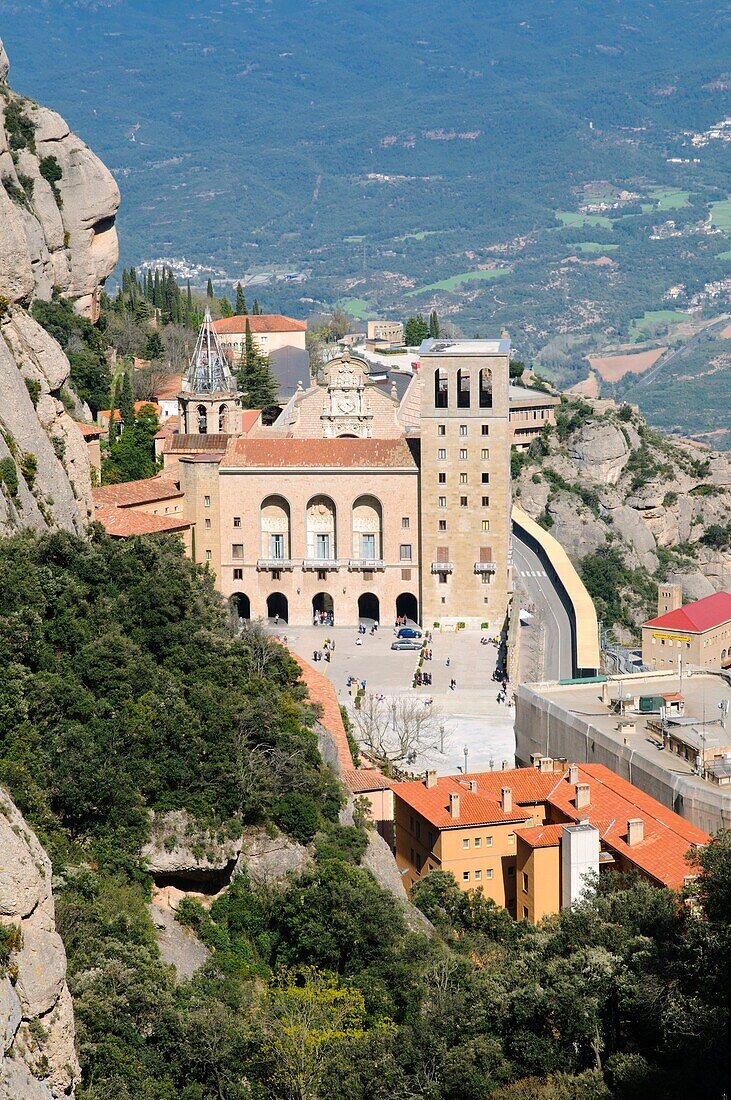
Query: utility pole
{"x": 466, "y": 751}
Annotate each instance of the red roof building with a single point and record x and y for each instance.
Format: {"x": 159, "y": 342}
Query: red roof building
{"x": 698, "y": 632}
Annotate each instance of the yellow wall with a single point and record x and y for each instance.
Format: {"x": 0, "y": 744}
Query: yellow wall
{"x": 538, "y": 879}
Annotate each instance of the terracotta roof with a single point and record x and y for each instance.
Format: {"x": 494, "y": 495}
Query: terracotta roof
{"x": 613, "y": 801}
{"x": 138, "y": 406}
{"x": 89, "y": 431}
{"x": 195, "y": 442}
{"x": 205, "y": 456}
{"x": 124, "y": 523}
{"x": 696, "y": 617}
{"x": 264, "y": 322}
{"x": 479, "y": 808}
{"x": 128, "y": 493}
{"x": 322, "y": 692}
{"x": 362, "y": 780}
{"x": 334, "y": 453}
{"x": 249, "y": 419}
{"x": 541, "y": 836}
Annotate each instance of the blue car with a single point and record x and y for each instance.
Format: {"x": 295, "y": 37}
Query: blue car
{"x": 408, "y": 632}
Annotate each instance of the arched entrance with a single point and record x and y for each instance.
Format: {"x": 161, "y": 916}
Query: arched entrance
{"x": 240, "y": 605}
{"x": 369, "y": 607}
{"x": 277, "y": 604}
{"x": 322, "y": 604}
{"x": 407, "y": 605}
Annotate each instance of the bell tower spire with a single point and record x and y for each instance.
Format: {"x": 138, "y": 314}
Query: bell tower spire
{"x": 210, "y": 402}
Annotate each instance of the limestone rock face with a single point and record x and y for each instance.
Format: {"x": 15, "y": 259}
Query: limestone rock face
{"x": 270, "y": 860}
{"x": 37, "y": 1055}
{"x": 601, "y": 449}
{"x": 178, "y": 846}
{"x": 57, "y": 208}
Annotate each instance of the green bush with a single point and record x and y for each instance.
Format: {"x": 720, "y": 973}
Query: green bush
{"x": 9, "y": 476}
{"x": 20, "y": 128}
{"x": 34, "y": 390}
{"x": 298, "y": 815}
{"x": 29, "y": 469}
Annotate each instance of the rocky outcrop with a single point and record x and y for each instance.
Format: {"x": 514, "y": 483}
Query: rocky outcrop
{"x": 57, "y": 208}
{"x": 179, "y": 848}
{"x": 37, "y": 1057}
{"x": 272, "y": 859}
{"x": 602, "y": 450}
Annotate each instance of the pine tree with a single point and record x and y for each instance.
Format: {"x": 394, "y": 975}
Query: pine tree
{"x": 209, "y": 290}
{"x": 241, "y": 309}
{"x": 225, "y": 306}
{"x": 189, "y": 304}
{"x": 434, "y": 325}
{"x": 256, "y": 310}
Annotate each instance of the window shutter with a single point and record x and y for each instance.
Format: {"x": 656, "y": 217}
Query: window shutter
{"x": 442, "y": 553}
{"x": 485, "y": 553}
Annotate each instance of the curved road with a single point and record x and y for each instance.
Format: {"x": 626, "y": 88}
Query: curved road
{"x": 529, "y": 570}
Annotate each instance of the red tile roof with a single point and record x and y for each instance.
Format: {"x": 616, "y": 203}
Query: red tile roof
{"x": 249, "y": 419}
{"x": 696, "y": 617}
{"x": 475, "y": 808}
{"x": 138, "y": 405}
{"x": 322, "y": 692}
{"x": 362, "y": 780}
{"x": 90, "y": 431}
{"x": 124, "y": 523}
{"x": 195, "y": 442}
{"x": 128, "y": 493}
{"x": 264, "y": 322}
{"x": 333, "y": 453}
{"x": 541, "y": 836}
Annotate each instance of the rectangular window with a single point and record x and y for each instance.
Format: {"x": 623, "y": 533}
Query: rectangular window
{"x": 488, "y": 842}
{"x": 442, "y": 479}
{"x": 463, "y": 479}
{"x": 405, "y": 522}
{"x": 442, "y": 454}
{"x": 463, "y": 502}
{"x": 478, "y": 842}
{"x": 485, "y": 453}
{"x": 525, "y": 882}
{"x": 478, "y": 875}
{"x": 442, "y": 578}
{"x": 442, "y": 525}
{"x": 209, "y": 555}
{"x": 237, "y": 551}
{"x": 488, "y": 872}
{"x": 525, "y": 912}
{"x": 465, "y": 876}
{"x": 237, "y": 521}
{"x": 277, "y": 547}
{"x": 486, "y": 525}
{"x": 238, "y": 574}
{"x": 485, "y": 502}
{"x": 466, "y": 842}
{"x": 405, "y": 551}
{"x": 321, "y": 575}
{"x": 441, "y": 429}
{"x": 322, "y": 547}
{"x": 485, "y": 479}
{"x": 485, "y": 578}
{"x": 206, "y": 502}
{"x": 276, "y": 574}
{"x": 463, "y": 454}
{"x": 485, "y": 429}
{"x": 208, "y": 523}
{"x": 463, "y": 429}
{"x": 405, "y": 574}
{"x": 442, "y": 502}
{"x": 368, "y": 547}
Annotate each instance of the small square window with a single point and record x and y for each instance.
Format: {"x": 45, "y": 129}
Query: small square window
{"x": 463, "y": 479}
{"x": 466, "y": 842}
{"x": 442, "y": 502}
{"x": 322, "y": 574}
{"x": 478, "y": 842}
{"x": 237, "y": 551}
{"x": 405, "y": 551}
{"x": 405, "y": 522}
{"x": 238, "y": 574}
{"x": 485, "y": 429}
{"x": 463, "y": 502}
{"x": 442, "y": 578}
{"x": 485, "y": 502}
{"x": 485, "y": 479}
{"x": 478, "y": 874}
{"x": 463, "y": 454}
{"x": 486, "y": 525}
{"x": 442, "y": 454}
{"x": 488, "y": 842}
{"x": 488, "y": 872}
{"x": 442, "y": 525}
{"x": 441, "y": 429}
{"x": 276, "y": 574}
{"x": 463, "y": 429}
{"x": 206, "y": 502}
{"x": 465, "y": 876}
{"x": 237, "y": 521}
{"x": 442, "y": 479}
{"x": 405, "y": 574}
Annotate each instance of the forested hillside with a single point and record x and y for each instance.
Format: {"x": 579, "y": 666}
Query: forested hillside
{"x": 124, "y": 692}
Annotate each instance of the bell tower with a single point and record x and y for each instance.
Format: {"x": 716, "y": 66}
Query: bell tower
{"x": 465, "y": 482}
{"x": 210, "y": 402}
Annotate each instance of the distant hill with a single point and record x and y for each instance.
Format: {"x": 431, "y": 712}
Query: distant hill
{"x": 509, "y": 162}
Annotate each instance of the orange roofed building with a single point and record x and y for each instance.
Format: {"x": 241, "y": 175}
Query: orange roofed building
{"x": 530, "y": 837}
{"x": 699, "y": 632}
{"x": 151, "y": 506}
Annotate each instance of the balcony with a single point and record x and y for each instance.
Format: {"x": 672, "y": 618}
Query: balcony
{"x": 265, "y": 564}
{"x": 319, "y": 564}
{"x": 442, "y": 567}
{"x": 366, "y": 564}
{"x": 485, "y": 566}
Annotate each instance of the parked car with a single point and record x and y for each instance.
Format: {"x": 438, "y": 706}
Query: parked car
{"x": 405, "y": 643}
{"x": 408, "y": 632}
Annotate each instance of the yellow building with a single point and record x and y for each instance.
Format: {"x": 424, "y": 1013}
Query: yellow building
{"x": 698, "y": 632}
{"x": 531, "y": 838}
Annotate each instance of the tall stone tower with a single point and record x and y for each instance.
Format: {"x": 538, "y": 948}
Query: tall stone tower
{"x": 465, "y": 482}
{"x": 210, "y": 402}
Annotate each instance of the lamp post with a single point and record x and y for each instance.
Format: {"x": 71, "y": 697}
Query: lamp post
{"x": 466, "y": 751}
{"x": 441, "y": 740}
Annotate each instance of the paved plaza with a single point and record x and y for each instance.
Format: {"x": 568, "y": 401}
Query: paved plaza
{"x": 472, "y": 717}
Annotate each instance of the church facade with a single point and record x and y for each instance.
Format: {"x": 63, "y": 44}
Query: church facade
{"x": 365, "y": 500}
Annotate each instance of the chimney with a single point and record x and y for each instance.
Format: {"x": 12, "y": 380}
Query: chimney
{"x": 546, "y": 764}
{"x": 635, "y": 830}
{"x": 473, "y": 786}
{"x": 506, "y": 799}
{"x": 573, "y": 774}
{"x": 605, "y": 691}
{"x": 582, "y": 795}
{"x": 430, "y": 779}
{"x": 535, "y": 759}
{"x": 454, "y": 805}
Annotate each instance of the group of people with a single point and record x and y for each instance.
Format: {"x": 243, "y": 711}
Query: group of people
{"x": 501, "y": 677}
{"x": 328, "y": 648}
{"x": 323, "y": 618}
{"x": 422, "y": 678}
{"x": 354, "y": 682}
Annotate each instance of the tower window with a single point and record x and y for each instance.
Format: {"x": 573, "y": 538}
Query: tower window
{"x": 463, "y": 454}
{"x": 442, "y": 525}
{"x": 441, "y": 454}
{"x": 463, "y": 429}
{"x": 463, "y": 502}
{"x": 442, "y": 479}
{"x": 442, "y": 502}
{"x": 485, "y": 429}
{"x": 441, "y": 429}
{"x": 485, "y": 479}
{"x": 485, "y": 502}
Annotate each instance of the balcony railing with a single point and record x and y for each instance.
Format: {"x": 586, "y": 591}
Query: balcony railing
{"x": 485, "y": 566}
{"x": 366, "y": 563}
{"x": 264, "y": 564}
{"x": 442, "y": 567}
{"x": 321, "y": 563}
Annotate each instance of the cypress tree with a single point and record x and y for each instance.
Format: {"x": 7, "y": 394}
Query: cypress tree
{"x": 112, "y": 420}
{"x": 126, "y": 402}
{"x": 241, "y": 309}
{"x": 225, "y": 306}
{"x": 257, "y": 308}
{"x": 189, "y": 304}
{"x": 209, "y": 291}
{"x": 434, "y": 325}
{"x": 156, "y": 300}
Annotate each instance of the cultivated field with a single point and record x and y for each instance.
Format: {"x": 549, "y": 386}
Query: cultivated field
{"x": 614, "y": 367}
{"x": 594, "y": 246}
{"x": 721, "y": 214}
{"x": 573, "y": 220}
{"x": 456, "y": 281}
{"x": 653, "y": 322}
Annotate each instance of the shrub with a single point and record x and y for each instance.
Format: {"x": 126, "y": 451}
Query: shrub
{"x": 34, "y": 390}
{"x": 21, "y": 130}
{"x": 625, "y": 412}
{"x": 51, "y": 171}
{"x": 298, "y": 815}
{"x": 9, "y": 476}
{"x": 29, "y": 468}
{"x": 11, "y": 939}
{"x": 4, "y": 307}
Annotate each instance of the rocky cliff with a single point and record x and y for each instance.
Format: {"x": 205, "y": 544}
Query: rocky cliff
{"x": 57, "y": 237}
{"x": 603, "y": 480}
{"x": 37, "y": 1056}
